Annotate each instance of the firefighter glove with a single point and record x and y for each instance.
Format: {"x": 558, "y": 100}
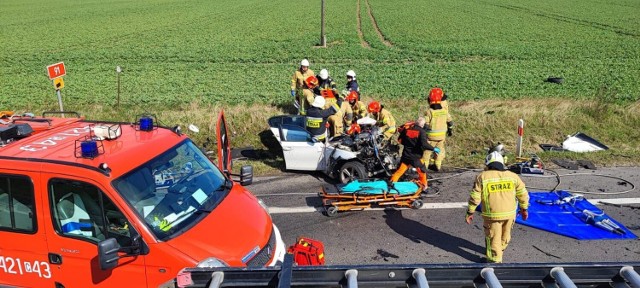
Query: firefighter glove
{"x": 450, "y": 132}
{"x": 293, "y": 93}
{"x": 525, "y": 214}
{"x": 436, "y": 150}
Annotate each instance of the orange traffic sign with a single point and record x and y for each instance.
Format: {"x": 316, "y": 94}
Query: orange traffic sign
{"x": 58, "y": 83}
{"x": 56, "y": 70}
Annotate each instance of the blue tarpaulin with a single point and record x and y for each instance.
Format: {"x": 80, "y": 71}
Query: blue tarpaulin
{"x": 548, "y": 212}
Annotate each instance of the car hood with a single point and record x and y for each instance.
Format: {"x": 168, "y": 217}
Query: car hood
{"x": 230, "y": 232}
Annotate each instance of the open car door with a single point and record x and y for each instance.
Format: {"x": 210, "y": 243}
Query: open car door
{"x": 224, "y": 145}
{"x": 298, "y": 150}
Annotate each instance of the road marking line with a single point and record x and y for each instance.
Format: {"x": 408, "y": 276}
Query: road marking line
{"x": 449, "y": 205}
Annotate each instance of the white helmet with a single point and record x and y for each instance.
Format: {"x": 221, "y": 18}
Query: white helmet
{"x": 318, "y": 102}
{"x": 324, "y": 74}
{"x": 304, "y": 62}
{"x": 351, "y": 74}
{"x": 493, "y": 157}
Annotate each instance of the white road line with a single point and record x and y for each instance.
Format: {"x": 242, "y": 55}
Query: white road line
{"x": 449, "y": 205}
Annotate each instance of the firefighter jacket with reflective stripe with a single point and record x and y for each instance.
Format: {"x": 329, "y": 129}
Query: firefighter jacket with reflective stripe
{"x": 297, "y": 81}
{"x": 436, "y": 120}
{"x": 317, "y": 121}
{"x": 414, "y": 140}
{"x": 385, "y": 121}
{"x": 326, "y": 88}
{"x": 359, "y": 110}
{"x": 498, "y": 191}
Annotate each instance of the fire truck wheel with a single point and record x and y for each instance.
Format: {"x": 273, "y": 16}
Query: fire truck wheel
{"x": 416, "y": 204}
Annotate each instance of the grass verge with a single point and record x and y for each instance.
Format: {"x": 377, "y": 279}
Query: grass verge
{"x": 478, "y": 125}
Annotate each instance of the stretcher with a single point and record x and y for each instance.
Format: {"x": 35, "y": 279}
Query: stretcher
{"x": 360, "y": 194}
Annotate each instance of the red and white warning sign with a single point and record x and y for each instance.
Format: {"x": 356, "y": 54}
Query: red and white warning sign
{"x": 56, "y": 70}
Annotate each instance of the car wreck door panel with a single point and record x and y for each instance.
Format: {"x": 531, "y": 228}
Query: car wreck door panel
{"x": 299, "y": 153}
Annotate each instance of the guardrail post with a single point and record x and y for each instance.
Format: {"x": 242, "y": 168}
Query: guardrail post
{"x": 284, "y": 277}
{"x": 631, "y": 276}
{"x": 352, "y": 278}
{"x": 490, "y": 277}
{"x": 562, "y": 278}
{"x": 421, "y": 278}
{"x": 216, "y": 279}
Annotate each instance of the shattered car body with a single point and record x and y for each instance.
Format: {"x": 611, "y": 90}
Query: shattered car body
{"x": 346, "y": 157}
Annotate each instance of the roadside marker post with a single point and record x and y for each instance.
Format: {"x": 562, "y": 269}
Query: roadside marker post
{"x": 55, "y": 72}
{"x": 519, "y": 138}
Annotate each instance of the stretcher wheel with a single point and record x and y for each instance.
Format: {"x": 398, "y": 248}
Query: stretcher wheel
{"x": 416, "y": 204}
{"x": 332, "y": 211}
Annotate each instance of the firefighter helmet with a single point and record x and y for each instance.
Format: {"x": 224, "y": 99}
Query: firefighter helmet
{"x": 318, "y": 102}
{"x": 324, "y": 74}
{"x": 351, "y": 74}
{"x": 304, "y": 62}
{"x": 353, "y": 96}
{"x": 311, "y": 82}
{"x": 494, "y": 156}
{"x": 374, "y": 107}
{"x": 435, "y": 96}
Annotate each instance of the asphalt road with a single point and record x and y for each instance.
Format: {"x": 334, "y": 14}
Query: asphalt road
{"x": 437, "y": 233}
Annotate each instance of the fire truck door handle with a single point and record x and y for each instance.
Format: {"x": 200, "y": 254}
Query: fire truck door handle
{"x": 55, "y": 258}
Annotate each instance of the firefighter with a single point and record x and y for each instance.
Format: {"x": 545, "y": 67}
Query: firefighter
{"x": 359, "y": 109}
{"x": 317, "y": 118}
{"x": 327, "y": 89}
{"x": 384, "y": 119}
{"x": 326, "y": 84}
{"x": 298, "y": 84}
{"x": 497, "y": 189}
{"x": 439, "y": 125}
{"x": 414, "y": 140}
{"x": 352, "y": 83}
{"x": 309, "y": 92}
{"x": 342, "y": 118}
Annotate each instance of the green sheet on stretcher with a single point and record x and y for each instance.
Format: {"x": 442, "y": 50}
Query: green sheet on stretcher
{"x": 378, "y": 187}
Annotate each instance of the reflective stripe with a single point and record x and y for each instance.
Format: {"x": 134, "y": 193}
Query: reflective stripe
{"x": 498, "y": 214}
{"x": 436, "y": 133}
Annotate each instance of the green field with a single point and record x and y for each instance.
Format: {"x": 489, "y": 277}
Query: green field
{"x": 186, "y": 60}
{"x": 201, "y": 51}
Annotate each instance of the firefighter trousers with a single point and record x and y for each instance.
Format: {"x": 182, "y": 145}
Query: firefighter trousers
{"x": 497, "y": 236}
{"x": 437, "y": 159}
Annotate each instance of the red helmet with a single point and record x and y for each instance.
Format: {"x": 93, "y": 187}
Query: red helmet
{"x": 374, "y": 107}
{"x": 435, "y": 96}
{"x": 353, "y": 96}
{"x": 311, "y": 82}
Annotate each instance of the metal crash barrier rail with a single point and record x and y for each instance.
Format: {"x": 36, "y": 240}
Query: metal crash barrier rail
{"x": 546, "y": 275}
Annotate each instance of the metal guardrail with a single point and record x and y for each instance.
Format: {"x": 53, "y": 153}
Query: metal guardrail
{"x": 562, "y": 275}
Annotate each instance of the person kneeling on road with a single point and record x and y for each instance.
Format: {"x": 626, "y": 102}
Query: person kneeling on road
{"x": 414, "y": 139}
{"x": 497, "y": 189}
{"x": 317, "y": 118}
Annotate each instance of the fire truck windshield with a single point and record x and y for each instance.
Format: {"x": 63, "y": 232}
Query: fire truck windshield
{"x": 174, "y": 190}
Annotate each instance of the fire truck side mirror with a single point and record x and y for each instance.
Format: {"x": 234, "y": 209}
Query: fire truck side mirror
{"x": 108, "y": 253}
{"x": 246, "y": 175}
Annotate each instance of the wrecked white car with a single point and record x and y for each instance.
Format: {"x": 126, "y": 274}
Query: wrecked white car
{"x": 347, "y": 157}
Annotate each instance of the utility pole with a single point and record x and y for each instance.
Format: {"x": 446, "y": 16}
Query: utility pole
{"x": 323, "y": 38}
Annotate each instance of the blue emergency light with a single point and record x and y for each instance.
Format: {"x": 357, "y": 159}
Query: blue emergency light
{"x": 89, "y": 148}
{"x": 146, "y": 123}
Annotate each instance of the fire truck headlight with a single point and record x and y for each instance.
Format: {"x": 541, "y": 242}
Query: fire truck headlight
{"x": 212, "y": 262}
